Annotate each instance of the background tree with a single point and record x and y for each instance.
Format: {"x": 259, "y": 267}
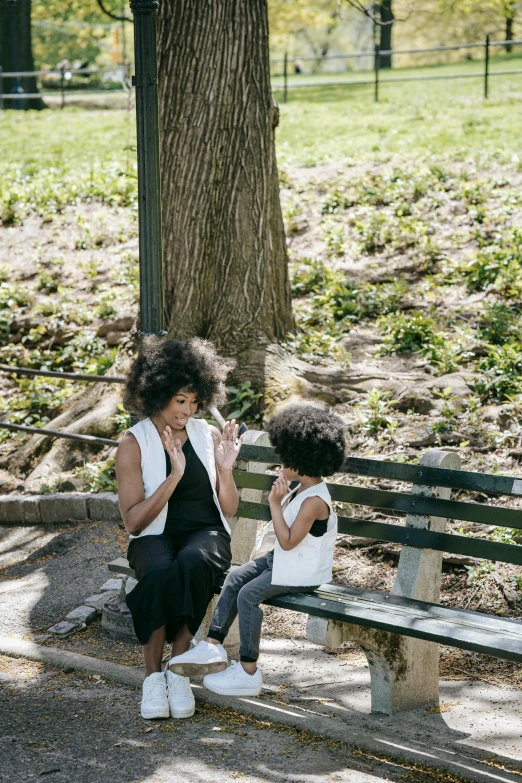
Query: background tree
{"x": 16, "y": 52}
{"x": 385, "y": 32}
{"x": 76, "y": 31}
{"x": 225, "y": 258}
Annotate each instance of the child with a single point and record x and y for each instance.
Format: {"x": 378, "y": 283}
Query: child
{"x": 310, "y": 443}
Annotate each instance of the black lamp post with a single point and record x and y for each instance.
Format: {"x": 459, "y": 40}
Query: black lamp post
{"x": 152, "y": 314}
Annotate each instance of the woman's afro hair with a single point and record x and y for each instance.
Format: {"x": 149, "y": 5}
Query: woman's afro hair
{"x": 308, "y": 439}
{"x": 163, "y": 367}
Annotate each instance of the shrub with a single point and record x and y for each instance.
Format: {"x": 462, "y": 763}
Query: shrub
{"x": 375, "y": 412}
{"x": 500, "y": 372}
{"x": 413, "y": 331}
{"x": 499, "y": 324}
{"x": 98, "y": 476}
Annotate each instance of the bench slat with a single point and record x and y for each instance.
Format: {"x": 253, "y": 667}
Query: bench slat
{"x": 416, "y": 474}
{"x": 427, "y": 539}
{"x": 465, "y": 630}
{"x": 411, "y": 536}
{"x": 121, "y": 566}
{"x": 403, "y": 501}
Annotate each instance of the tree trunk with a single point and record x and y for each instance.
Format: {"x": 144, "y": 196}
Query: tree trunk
{"x": 509, "y": 29}
{"x": 385, "y": 43}
{"x": 16, "y": 53}
{"x": 225, "y": 261}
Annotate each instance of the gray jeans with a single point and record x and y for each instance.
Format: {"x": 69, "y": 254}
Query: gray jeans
{"x": 244, "y": 589}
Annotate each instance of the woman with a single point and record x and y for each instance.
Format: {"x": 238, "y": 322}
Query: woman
{"x": 175, "y": 489}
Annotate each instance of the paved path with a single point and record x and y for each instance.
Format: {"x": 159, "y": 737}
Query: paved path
{"x": 47, "y": 572}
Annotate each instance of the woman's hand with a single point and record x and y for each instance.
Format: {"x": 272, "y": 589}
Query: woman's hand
{"x": 280, "y": 488}
{"x": 227, "y": 449}
{"x": 175, "y": 452}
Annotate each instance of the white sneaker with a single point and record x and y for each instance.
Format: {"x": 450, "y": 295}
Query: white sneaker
{"x": 154, "y": 702}
{"x": 204, "y": 658}
{"x": 180, "y": 696}
{"x": 235, "y": 681}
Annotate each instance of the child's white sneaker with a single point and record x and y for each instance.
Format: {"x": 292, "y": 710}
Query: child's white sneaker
{"x": 154, "y": 702}
{"x": 180, "y": 697}
{"x": 204, "y": 658}
{"x": 235, "y": 681}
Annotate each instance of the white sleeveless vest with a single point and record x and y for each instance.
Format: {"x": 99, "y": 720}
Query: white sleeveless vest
{"x": 154, "y": 468}
{"x": 310, "y": 562}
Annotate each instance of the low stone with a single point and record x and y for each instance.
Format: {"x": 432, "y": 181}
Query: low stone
{"x": 103, "y": 507}
{"x": 456, "y": 381}
{"x": 97, "y": 601}
{"x": 111, "y": 584}
{"x": 419, "y": 401}
{"x": 66, "y": 507}
{"x": 63, "y": 629}
{"x": 114, "y": 338}
{"x": 13, "y": 511}
{"x": 82, "y": 614}
{"x": 122, "y": 324}
{"x": 31, "y": 509}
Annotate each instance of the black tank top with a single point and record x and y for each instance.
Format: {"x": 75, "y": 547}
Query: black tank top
{"x": 191, "y": 505}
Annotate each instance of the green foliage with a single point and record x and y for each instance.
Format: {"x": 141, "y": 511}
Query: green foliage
{"x": 447, "y": 413}
{"x": 410, "y": 331}
{"x": 98, "y": 476}
{"x": 128, "y": 271}
{"x": 39, "y": 397}
{"x": 50, "y": 275}
{"x": 244, "y": 402}
{"x": 375, "y": 412}
{"x": 499, "y": 324}
{"x": 12, "y": 296}
{"x": 498, "y": 264}
{"x": 500, "y": 372}
{"x": 122, "y": 418}
{"x": 315, "y": 345}
{"x": 335, "y": 297}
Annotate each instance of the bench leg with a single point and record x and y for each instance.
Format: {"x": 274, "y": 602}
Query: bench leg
{"x": 404, "y": 671}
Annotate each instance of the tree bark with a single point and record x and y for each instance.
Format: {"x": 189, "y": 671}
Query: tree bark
{"x": 387, "y": 18}
{"x": 225, "y": 260}
{"x": 16, "y": 53}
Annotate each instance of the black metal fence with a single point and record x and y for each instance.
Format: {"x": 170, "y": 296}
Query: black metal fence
{"x": 63, "y": 82}
{"x": 300, "y": 80}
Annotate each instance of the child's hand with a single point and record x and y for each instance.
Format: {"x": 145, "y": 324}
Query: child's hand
{"x": 280, "y": 488}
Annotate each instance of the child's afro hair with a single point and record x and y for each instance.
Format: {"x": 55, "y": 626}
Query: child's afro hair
{"x": 308, "y": 439}
{"x": 163, "y": 367}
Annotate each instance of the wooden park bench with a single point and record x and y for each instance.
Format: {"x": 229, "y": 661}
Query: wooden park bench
{"x": 399, "y": 631}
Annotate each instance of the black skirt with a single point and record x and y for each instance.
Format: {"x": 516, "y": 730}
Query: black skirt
{"x": 176, "y": 576}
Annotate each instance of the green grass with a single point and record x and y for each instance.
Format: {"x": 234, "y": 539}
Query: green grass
{"x": 448, "y": 118}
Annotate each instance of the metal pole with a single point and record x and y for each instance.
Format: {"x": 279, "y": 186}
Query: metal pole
{"x": 376, "y": 70}
{"x": 62, "y": 84}
{"x": 486, "y": 69}
{"x": 285, "y": 78}
{"x": 13, "y": 30}
{"x": 1, "y": 88}
{"x": 149, "y": 194}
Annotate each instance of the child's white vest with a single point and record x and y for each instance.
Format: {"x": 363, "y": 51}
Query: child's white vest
{"x": 310, "y": 562}
{"x": 154, "y": 467}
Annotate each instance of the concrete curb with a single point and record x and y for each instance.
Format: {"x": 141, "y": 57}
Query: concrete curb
{"x": 377, "y": 739}
{"x": 59, "y": 507}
